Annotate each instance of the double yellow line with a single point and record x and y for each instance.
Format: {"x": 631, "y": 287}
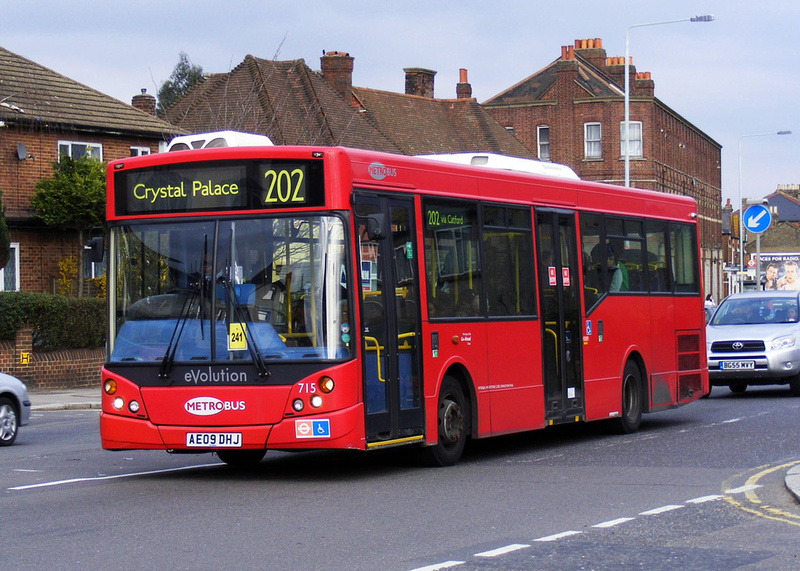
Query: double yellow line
{"x": 761, "y": 509}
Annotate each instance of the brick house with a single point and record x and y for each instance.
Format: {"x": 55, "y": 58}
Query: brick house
{"x": 294, "y": 105}
{"x": 572, "y": 112}
{"x": 44, "y": 114}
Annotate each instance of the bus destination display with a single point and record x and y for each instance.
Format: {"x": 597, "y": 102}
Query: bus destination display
{"x": 241, "y": 185}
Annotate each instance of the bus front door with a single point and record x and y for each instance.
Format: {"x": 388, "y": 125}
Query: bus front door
{"x": 560, "y": 315}
{"x": 390, "y": 322}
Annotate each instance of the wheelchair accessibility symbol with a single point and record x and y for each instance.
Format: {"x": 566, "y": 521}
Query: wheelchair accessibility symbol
{"x": 312, "y": 428}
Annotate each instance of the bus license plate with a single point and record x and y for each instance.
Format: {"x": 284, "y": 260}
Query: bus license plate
{"x": 737, "y": 365}
{"x": 213, "y": 439}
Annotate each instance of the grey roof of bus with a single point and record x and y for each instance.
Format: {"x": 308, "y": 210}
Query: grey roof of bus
{"x": 33, "y": 94}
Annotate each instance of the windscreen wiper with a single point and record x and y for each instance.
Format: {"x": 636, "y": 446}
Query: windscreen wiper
{"x": 197, "y": 291}
{"x": 241, "y": 317}
{"x": 177, "y": 331}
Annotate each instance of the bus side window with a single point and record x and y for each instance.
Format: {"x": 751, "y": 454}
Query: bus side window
{"x": 452, "y": 263}
{"x": 657, "y": 272}
{"x": 594, "y": 271}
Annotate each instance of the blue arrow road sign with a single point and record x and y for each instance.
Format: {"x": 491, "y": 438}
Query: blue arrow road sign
{"x": 757, "y": 218}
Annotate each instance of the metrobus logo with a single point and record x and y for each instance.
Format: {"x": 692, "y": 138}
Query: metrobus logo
{"x": 207, "y": 406}
{"x": 379, "y": 171}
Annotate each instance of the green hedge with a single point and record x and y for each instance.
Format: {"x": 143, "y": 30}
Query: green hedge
{"x": 58, "y": 322}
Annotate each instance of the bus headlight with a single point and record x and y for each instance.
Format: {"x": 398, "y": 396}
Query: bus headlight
{"x": 316, "y": 401}
{"x": 118, "y": 403}
{"x": 297, "y": 405}
{"x": 133, "y": 406}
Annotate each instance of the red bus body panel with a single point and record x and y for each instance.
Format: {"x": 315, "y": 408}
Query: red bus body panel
{"x": 502, "y": 360}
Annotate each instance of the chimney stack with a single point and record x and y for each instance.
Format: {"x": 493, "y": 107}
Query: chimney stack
{"x": 615, "y": 68}
{"x": 419, "y": 81}
{"x": 643, "y": 84}
{"x": 463, "y": 89}
{"x": 144, "y": 102}
{"x": 337, "y": 69}
{"x": 592, "y": 51}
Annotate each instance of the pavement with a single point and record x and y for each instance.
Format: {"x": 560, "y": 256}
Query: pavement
{"x": 68, "y": 399}
{"x": 89, "y": 398}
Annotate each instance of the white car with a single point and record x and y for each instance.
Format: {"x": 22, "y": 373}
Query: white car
{"x": 15, "y": 408}
{"x": 753, "y": 338}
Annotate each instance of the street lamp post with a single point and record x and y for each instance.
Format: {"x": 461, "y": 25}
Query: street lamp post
{"x": 627, "y": 153}
{"x": 741, "y": 206}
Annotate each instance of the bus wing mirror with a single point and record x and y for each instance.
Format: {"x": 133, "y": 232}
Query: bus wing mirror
{"x": 375, "y": 225}
{"x": 96, "y": 247}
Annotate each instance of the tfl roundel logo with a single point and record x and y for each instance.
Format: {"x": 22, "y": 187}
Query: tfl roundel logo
{"x": 379, "y": 171}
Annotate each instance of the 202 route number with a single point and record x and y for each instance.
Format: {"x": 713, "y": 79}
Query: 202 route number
{"x": 284, "y": 186}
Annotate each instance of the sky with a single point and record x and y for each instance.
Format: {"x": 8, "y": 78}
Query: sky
{"x": 732, "y": 78}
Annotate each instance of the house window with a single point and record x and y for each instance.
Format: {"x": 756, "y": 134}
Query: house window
{"x": 140, "y": 151}
{"x": 591, "y": 141}
{"x": 543, "y": 142}
{"x": 76, "y": 150}
{"x": 9, "y": 276}
{"x": 634, "y": 138}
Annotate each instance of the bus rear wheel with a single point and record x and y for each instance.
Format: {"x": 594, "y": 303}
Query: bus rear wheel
{"x": 241, "y": 458}
{"x": 631, "y": 416}
{"x": 453, "y": 421}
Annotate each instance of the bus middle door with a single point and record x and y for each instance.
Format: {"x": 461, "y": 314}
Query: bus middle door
{"x": 390, "y": 322}
{"x": 559, "y": 263}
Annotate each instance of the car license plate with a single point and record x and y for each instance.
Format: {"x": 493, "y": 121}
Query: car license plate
{"x": 214, "y": 439}
{"x": 737, "y": 365}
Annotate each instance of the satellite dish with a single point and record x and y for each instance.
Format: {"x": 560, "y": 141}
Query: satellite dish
{"x": 22, "y": 152}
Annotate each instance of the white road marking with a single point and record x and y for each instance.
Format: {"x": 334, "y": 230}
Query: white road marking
{"x": 606, "y": 524}
{"x": 503, "y": 550}
{"x": 704, "y": 499}
{"x": 115, "y": 477}
{"x": 437, "y": 566}
{"x": 742, "y": 489}
{"x": 662, "y": 509}
{"x": 557, "y": 536}
{"x": 613, "y": 522}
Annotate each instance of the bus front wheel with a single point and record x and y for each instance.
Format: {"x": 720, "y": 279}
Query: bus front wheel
{"x": 453, "y": 421}
{"x": 241, "y": 458}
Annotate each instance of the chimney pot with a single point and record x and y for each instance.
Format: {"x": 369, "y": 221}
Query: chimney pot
{"x": 463, "y": 88}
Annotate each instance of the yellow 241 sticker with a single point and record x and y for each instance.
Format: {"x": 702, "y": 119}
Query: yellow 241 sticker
{"x": 236, "y": 336}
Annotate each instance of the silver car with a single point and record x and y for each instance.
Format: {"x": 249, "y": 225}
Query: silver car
{"x": 754, "y": 339}
{"x": 15, "y": 408}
